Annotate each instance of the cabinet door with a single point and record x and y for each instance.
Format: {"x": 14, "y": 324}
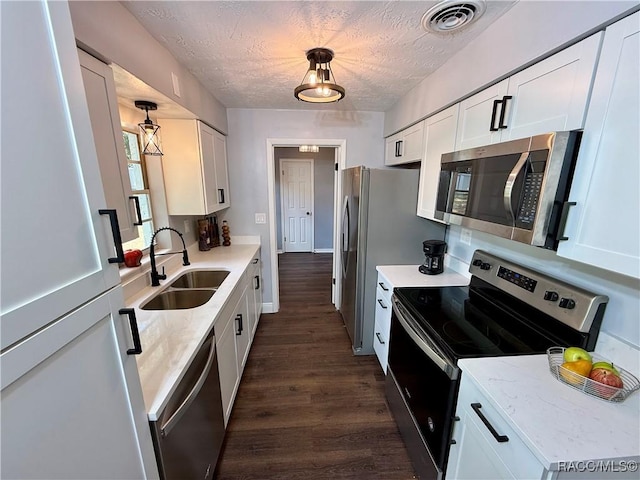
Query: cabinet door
{"x": 255, "y": 297}
{"x": 440, "y": 137}
{"x": 393, "y": 149}
{"x": 72, "y": 404}
{"x": 476, "y": 115}
{"x": 382, "y": 329}
{"x": 55, "y": 244}
{"x": 100, "y": 90}
{"x": 413, "y": 138}
{"x": 227, "y": 365}
{"x": 208, "y": 166}
{"x": 222, "y": 176}
{"x": 552, "y": 95}
{"x": 242, "y": 331}
{"x": 603, "y": 227}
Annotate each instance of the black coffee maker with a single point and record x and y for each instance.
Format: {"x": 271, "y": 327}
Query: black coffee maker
{"x": 434, "y": 257}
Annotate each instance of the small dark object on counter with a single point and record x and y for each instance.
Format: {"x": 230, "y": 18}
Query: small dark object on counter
{"x": 204, "y": 241}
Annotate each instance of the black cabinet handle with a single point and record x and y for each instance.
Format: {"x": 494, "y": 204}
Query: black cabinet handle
{"x": 503, "y": 111}
{"x": 137, "y": 346}
{"x": 257, "y": 284}
{"x": 136, "y": 202}
{"x": 239, "y": 320}
{"x": 115, "y": 230}
{"x": 399, "y": 148}
{"x": 494, "y": 113}
{"x": 500, "y": 438}
{"x": 564, "y": 214}
{"x": 379, "y": 338}
{"x": 254, "y": 261}
{"x": 221, "y": 192}
{"x": 383, "y": 287}
{"x": 382, "y": 304}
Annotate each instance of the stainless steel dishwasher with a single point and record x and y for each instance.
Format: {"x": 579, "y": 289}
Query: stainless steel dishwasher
{"x": 189, "y": 432}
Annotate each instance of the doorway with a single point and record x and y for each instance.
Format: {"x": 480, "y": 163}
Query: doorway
{"x": 296, "y": 206}
{"x": 275, "y": 229}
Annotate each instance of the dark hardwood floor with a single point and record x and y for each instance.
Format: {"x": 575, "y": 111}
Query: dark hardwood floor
{"x": 307, "y": 408}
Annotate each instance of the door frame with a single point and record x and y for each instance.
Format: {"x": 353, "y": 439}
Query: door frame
{"x": 340, "y": 146}
{"x": 282, "y": 219}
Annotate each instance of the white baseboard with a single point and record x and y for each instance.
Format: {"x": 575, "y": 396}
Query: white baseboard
{"x": 279, "y": 251}
{"x": 323, "y": 250}
{"x": 267, "y": 308}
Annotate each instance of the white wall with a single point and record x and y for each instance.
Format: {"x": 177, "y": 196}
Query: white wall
{"x": 110, "y": 31}
{"x": 531, "y": 29}
{"x": 249, "y": 130}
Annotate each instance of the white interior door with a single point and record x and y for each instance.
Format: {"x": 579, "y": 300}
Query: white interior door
{"x": 297, "y": 205}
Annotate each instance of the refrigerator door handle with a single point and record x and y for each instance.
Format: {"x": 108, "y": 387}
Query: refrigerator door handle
{"x": 345, "y": 235}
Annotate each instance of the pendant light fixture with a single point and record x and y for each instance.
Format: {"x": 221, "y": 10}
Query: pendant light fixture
{"x": 319, "y": 85}
{"x": 149, "y": 130}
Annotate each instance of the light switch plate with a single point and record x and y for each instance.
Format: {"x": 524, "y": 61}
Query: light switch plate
{"x": 261, "y": 218}
{"x": 187, "y": 226}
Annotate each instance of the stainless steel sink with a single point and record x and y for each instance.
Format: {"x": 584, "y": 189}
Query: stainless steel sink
{"x": 201, "y": 279}
{"x": 178, "y": 299}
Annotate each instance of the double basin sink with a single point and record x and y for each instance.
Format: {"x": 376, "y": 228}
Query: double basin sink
{"x": 190, "y": 290}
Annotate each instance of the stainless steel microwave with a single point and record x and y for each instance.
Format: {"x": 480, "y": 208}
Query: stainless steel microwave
{"x": 516, "y": 190}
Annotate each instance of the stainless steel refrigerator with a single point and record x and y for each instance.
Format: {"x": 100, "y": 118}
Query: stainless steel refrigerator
{"x": 379, "y": 227}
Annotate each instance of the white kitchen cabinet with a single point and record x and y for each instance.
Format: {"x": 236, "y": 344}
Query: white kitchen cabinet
{"x": 384, "y": 290}
{"x": 479, "y": 454}
{"x": 406, "y": 146}
{"x": 100, "y": 90}
{"x": 242, "y": 329}
{"x": 71, "y": 402}
{"x": 194, "y": 166}
{"x": 254, "y": 292}
{"x": 551, "y": 95}
{"x": 440, "y": 137}
{"x": 603, "y": 226}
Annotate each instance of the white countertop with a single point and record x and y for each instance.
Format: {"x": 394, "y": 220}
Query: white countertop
{"x": 409, "y": 276}
{"x": 557, "y": 422}
{"x": 171, "y": 338}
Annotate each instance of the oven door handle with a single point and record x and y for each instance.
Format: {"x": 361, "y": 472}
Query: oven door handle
{"x": 508, "y": 188}
{"x": 446, "y": 366}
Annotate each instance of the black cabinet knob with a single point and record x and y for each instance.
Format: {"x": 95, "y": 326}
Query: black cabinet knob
{"x": 550, "y": 296}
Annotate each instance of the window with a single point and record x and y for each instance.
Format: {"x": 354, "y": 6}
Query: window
{"x": 140, "y": 188}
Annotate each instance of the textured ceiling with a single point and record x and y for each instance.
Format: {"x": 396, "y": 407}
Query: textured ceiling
{"x": 251, "y": 54}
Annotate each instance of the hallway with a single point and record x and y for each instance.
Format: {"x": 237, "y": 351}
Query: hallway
{"x": 306, "y": 407}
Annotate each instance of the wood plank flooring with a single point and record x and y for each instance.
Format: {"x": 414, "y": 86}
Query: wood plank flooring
{"x": 307, "y": 408}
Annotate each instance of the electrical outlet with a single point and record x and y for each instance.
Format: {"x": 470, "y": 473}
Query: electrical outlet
{"x": 187, "y": 226}
{"x": 261, "y": 218}
{"x": 465, "y": 236}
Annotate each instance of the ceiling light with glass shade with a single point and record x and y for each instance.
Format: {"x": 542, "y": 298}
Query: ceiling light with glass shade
{"x": 319, "y": 85}
{"x": 149, "y": 131}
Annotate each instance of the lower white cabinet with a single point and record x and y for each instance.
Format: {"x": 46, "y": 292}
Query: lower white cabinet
{"x": 603, "y": 226}
{"x": 234, "y": 330}
{"x": 480, "y": 453}
{"x": 440, "y": 137}
{"x": 382, "y": 321}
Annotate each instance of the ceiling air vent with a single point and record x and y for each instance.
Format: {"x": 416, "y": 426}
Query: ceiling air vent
{"x": 450, "y": 15}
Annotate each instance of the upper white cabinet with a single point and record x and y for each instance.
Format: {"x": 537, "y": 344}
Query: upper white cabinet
{"x": 195, "y": 167}
{"x": 100, "y": 91}
{"x": 551, "y": 95}
{"x": 440, "y": 137}
{"x": 405, "y": 146}
{"x": 603, "y": 227}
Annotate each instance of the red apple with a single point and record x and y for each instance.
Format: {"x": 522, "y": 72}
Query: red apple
{"x": 608, "y": 381}
{"x": 132, "y": 258}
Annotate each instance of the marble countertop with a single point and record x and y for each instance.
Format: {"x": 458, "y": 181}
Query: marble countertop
{"x": 409, "y": 276}
{"x": 556, "y": 422}
{"x": 171, "y": 338}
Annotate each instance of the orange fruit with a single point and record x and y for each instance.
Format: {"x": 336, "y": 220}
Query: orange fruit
{"x": 576, "y": 372}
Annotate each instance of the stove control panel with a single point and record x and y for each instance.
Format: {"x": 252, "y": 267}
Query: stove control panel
{"x": 570, "y": 304}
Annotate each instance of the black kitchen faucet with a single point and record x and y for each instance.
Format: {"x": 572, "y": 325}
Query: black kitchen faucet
{"x": 155, "y": 276}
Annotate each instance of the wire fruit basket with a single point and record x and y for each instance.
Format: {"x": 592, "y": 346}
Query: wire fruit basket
{"x": 609, "y": 393}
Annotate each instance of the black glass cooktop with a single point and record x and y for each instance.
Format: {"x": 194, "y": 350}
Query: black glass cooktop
{"x": 478, "y": 321}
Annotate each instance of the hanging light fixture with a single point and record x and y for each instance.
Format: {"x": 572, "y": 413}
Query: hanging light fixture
{"x": 309, "y": 148}
{"x": 149, "y": 130}
{"x": 319, "y": 85}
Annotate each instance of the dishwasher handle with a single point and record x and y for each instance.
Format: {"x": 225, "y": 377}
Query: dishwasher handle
{"x": 173, "y": 420}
